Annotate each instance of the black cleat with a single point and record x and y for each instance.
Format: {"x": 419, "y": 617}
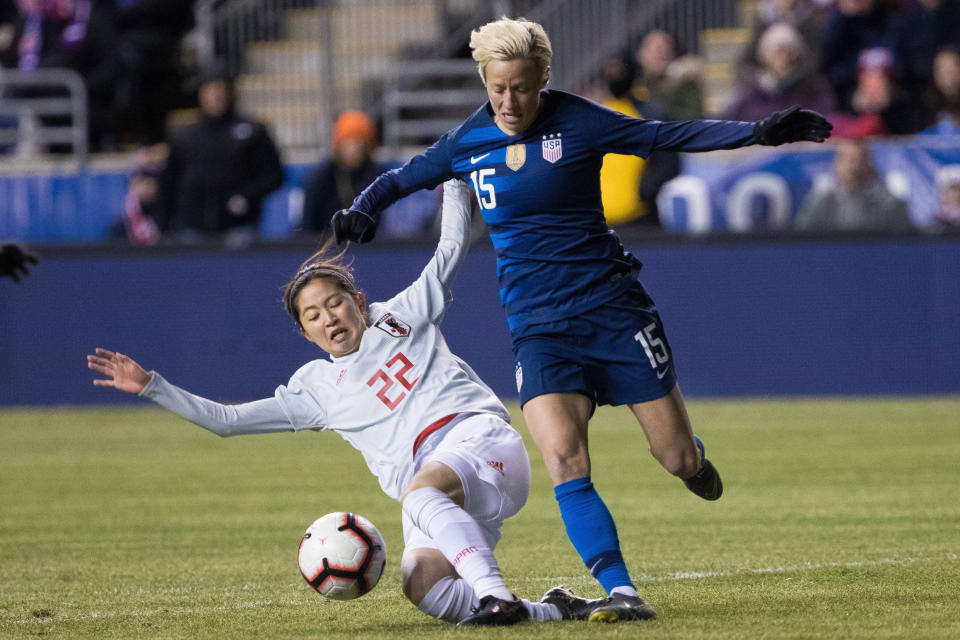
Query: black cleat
{"x": 706, "y": 483}
{"x": 494, "y": 612}
{"x": 572, "y": 606}
{"x": 619, "y": 607}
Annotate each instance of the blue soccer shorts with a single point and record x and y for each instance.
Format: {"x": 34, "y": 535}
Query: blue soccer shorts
{"x": 615, "y": 354}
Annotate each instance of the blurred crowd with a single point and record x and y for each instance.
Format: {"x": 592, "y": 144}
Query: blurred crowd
{"x": 873, "y": 67}
{"x": 127, "y": 52}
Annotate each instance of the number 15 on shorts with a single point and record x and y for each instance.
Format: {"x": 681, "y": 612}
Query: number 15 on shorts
{"x": 653, "y": 346}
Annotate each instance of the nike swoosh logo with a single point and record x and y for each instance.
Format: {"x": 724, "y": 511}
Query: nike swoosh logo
{"x": 660, "y": 374}
{"x": 476, "y": 159}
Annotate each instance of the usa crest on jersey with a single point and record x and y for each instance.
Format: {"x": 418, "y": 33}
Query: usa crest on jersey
{"x": 393, "y": 325}
{"x": 552, "y": 148}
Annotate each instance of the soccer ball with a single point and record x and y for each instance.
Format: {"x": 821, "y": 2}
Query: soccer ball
{"x": 342, "y": 555}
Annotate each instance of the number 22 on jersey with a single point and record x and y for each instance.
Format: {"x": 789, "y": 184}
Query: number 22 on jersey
{"x": 389, "y": 377}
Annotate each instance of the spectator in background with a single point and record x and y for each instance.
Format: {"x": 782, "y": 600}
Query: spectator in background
{"x": 668, "y": 82}
{"x": 858, "y": 200}
{"x": 947, "y": 215}
{"x": 73, "y": 34}
{"x": 806, "y": 16}
{"x": 335, "y": 182}
{"x": 13, "y": 259}
{"x": 218, "y": 170}
{"x": 855, "y": 25}
{"x": 147, "y": 85}
{"x": 9, "y": 19}
{"x": 943, "y": 96}
{"x": 928, "y": 27}
{"x": 878, "y": 105}
{"x": 141, "y": 205}
{"x": 785, "y": 78}
{"x": 629, "y": 184}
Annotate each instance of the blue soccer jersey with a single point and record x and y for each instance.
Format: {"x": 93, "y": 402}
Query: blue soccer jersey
{"x": 539, "y": 192}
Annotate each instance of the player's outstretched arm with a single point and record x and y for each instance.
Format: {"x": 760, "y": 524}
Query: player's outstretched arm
{"x": 789, "y": 125}
{"x": 424, "y": 171}
{"x": 454, "y": 231}
{"x": 430, "y": 294}
{"x": 122, "y": 371}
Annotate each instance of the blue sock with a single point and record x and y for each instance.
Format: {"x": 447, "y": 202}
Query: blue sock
{"x": 703, "y": 453}
{"x": 592, "y": 531}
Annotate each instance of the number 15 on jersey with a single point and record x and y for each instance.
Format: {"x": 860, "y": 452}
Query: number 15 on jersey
{"x": 486, "y": 196}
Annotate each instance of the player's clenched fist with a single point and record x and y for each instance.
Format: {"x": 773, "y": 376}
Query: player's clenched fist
{"x": 353, "y": 226}
{"x": 791, "y": 125}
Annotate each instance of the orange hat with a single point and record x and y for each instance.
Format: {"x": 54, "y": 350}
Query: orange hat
{"x": 354, "y": 124}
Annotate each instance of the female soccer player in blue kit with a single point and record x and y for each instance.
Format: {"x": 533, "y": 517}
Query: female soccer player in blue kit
{"x": 584, "y": 330}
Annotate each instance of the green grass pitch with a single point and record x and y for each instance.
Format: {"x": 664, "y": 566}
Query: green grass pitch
{"x": 840, "y": 520}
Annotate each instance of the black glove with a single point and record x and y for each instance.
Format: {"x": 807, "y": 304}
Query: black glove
{"x": 791, "y": 125}
{"x": 13, "y": 259}
{"x": 353, "y": 226}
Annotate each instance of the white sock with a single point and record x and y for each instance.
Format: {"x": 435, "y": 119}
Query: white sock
{"x": 625, "y": 590}
{"x": 459, "y": 538}
{"x": 450, "y": 599}
{"x": 541, "y": 612}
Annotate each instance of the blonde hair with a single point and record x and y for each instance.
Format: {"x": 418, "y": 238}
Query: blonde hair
{"x": 322, "y": 264}
{"x": 509, "y": 39}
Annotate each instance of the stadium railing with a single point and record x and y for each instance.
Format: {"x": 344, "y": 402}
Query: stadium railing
{"x": 301, "y": 62}
{"x": 41, "y": 108}
{"x": 584, "y": 33}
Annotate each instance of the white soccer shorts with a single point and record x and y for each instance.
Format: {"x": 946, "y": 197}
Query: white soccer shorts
{"x": 489, "y": 457}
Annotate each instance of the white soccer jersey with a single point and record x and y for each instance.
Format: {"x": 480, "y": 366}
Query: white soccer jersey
{"x": 388, "y": 397}
{"x": 402, "y": 380}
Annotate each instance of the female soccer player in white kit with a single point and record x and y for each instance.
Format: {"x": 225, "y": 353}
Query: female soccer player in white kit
{"x": 434, "y": 434}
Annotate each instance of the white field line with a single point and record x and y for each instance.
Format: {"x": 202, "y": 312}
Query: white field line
{"x": 311, "y": 601}
{"x": 795, "y": 568}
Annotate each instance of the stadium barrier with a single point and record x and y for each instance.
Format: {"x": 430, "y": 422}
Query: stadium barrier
{"x": 745, "y": 316}
{"x": 763, "y": 188}
{"x": 744, "y": 190}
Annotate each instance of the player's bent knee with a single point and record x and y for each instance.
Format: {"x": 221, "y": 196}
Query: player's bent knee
{"x": 421, "y": 569}
{"x": 437, "y": 475}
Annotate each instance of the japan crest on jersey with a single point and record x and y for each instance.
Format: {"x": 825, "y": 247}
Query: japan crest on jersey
{"x": 552, "y": 149}
{"x": 393, "y": 325}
